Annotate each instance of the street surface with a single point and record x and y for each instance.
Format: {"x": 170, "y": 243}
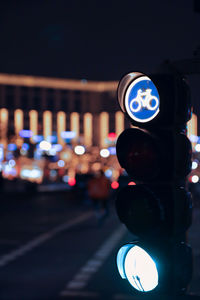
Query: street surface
{"x": 51, "y": 247}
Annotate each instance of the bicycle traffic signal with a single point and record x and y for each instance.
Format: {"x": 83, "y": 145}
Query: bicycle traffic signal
{"x": 156, "y": 154}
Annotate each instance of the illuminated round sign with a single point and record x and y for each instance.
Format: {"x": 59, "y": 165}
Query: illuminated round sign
{"x": 142, "y": 100}
{"x": 141, "y": 270}
{"x": 138, "y": 267}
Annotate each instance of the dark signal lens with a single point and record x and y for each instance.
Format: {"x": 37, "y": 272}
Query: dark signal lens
{"x": 138, "y": 154}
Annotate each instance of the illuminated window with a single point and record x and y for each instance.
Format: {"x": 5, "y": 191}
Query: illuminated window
{"x": 3, "y": 124}
{"x": 18, "y": 120}
{"x": 87, "y": 129}
{"x": 61, "y": 125}
{"x": 104, "y": 128}
{"x": 192, "y": 128}
{"x": 33, "y": 119}
{"x": 47, "y": 124}
{"x": 119, "y": 122}
{"x": 74, "y": 123}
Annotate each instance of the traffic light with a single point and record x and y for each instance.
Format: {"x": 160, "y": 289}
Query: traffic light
{"x": 156, "y": 154}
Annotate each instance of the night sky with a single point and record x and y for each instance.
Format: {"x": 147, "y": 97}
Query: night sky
{"x": 95, "y": 40}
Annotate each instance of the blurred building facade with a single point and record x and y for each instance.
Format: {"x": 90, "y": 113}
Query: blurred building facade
{"x": 64, "y": 114}
{"x": 49, "y": 106}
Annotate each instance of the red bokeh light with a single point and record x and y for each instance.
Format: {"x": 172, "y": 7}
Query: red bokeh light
{"x": 72, "y": 181}
{"x": 112, "y": 136}
{"x": 131, "y": 183}
{"x": 114, "y": 185}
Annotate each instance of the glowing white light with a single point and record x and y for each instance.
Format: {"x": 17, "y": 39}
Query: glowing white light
{"x": 57, "y": 147}
{"x": 79, "y": 150}
{"x": 140, "y": 270}
{"x": 44, "y": 145}
{"x": 194, "y": 165}
{"x": 31, "y": 173}
{"x": 137, "y": 266}
{"x": 8, "y": 170}
{"x": 193, "y": 138}
{"x": 61, "y": 163}
{"x": 195, "y": 178}
{"x": 12, "y": 163}
{"x": 197, "y": 147}
{"x": 35, "y": 173}
{"x": 25, "y": 173}
{"x": 104, "y": 153}
{"x": 68, "y": 134}
{"x": 52, "y": 152}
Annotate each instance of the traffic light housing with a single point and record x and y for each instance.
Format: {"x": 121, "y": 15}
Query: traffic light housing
{"x": 156, "y": 154}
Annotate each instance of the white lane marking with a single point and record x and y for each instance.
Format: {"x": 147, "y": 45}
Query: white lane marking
{"x": 81, "y": 279}
{"x": 4, "y": 260}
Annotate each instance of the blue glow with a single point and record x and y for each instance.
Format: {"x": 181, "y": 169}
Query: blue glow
{"x": 9, "y": 156}
{"x": 193, "y": 138}
{"x": 108, "y": 173}
{"x": 65, "y": 178}
{"x": 120, "y": 259}
{"x": 9, "y": 170}
{"x": 26, "y": 133}
{"x": 12, "y": 163}
{"x": 37, "y": 153}
{"x": 37, "y": 138}
{"x": 68, "y": 134}
{"x": 57, "y": 147}
{"x": 44, "y": 145}
{"x": 1, "y": 153}
{"x": 12, "y": 147}
{"x": 25, "y": 146}
{"x": 112, "y": 150}
{"x": 61, "y": 163}
{"x": 52, "y": 138}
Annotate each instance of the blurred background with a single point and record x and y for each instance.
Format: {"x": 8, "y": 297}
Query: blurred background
{"x": 60, "y": 65}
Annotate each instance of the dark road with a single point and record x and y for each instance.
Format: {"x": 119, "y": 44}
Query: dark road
{"x": 51, "y": 247}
